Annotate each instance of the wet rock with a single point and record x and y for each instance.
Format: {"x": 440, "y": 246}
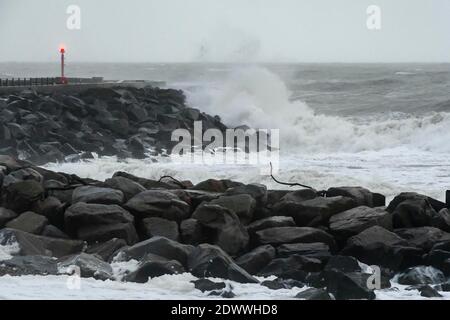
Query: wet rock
{"x": 243, "y": 205}
{"x": 256, "y": 191}
{"x": 362, "y": 196}
{"x": 211, "y": 261}
{"x": 352, "y": 285}
{"x": 89, "y": 265}
{"x": 205, "y": 285}
{"x": 255, "y": 260}
{"x": 219, "y": 186}
{"x": 158, "y": 203}
{"x": 30, "y": 244}
{"x": 191, "y": 232}
{"x": 314, "y": 212}
{"x": 378, "y": 246}
{"x": 154, "y": 266}
{"x": 160, "y": 246}
{"x": 128, "y": 187}
{"x": 423, "y": 237}
{"x": 29, "y": 265}
{"x": 6, "y": 215}
{"x": 343, "y": 264}
{"x": 271, "y": 222}
{"x": 314, "y": 294}
{"x": 101, "y": 233}
{"x": 228, "y": 232}
{"x": 428, "y": 292}
{"x": 29, "y": 222}
{"x": 278, "y": 284}
{"x": 20, "y": 196}
{"x": 316, "y": 250}
{"x": 356, "y": 220}
{"x": 294, "y": 267}
{"x": 146, "y": 183}
{"x": 106, "y": 250}
{"x": 278, "y": 236}
{"x": 90, "y": 194}
{"x": 441, "y": 220}
{"x": 53, "y": 232}
{"x": 152, "y": 227}
{"x": 436, "y": 205}
{"x": 421, "y": 275}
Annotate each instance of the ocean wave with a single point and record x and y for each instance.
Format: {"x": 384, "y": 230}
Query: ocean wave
{"x": 260, "y": 99}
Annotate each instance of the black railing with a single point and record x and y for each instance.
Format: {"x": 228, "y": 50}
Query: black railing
{"x": 23, "y": 82}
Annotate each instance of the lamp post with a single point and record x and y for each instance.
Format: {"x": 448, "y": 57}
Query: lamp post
{"x": 62, "y": 50}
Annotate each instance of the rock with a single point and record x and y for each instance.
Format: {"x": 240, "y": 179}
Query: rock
{"x": 146, "y": 183}
{"x": 428, "y": 292}
{"x": 30, "y": 244}
{"x": 128, "y": 187}
{"x": 207, "y": 285}
{"x": 90, "y": 266}
{"x": 274, "y": 196}
{"x": 99, "y": 222}
{"x": 362, "y": 196}
{"x": 278, "y": 284}
{"x": 441, "y": 220}
{"x": 424, "y": 237}
{"x": 256, "y": 191}
{"x": 346, "y": 286}
{"x": 314, "y": 294}
{"x": 299, "y": 196}
{"x": 314, "y": 212}
{"x": 243, "y": 205}
{"x": 158, "y": 203}
{"x": 20, "y": 196}
{"x": 436, "y": 205}
{"x": 152, "y": 227}
{"x": 213, "y": 185}
{"x": 160, "y": 246}
{"x": 439, "y": 257}
{"x": 421, "y": 275}
{"x": 351, "y": 222}
{"x": 211, "y": 261}
{"x": 295, "y": 267}
{"x": 154, "y": 266}
{"x": 6, "y": 215}
{"x": 90, "y": 194}
{"x": 316, "y": 250}
{"x": 271, "y": 222}
{"x": 29, "y": 265}
{"x": 53, "y": 232}
{"x": 229, "y": 234}
{"x": 52, "y": 209}
{"x": 29, "y": 222}
{"x": 255, "y": 260}
{"x": 191, "y": 232}
{"x": 343, "y": 264}
{"x": 277, "y": 236}
{"x": 378, "y": 246}
{"x": 106, "y": 250}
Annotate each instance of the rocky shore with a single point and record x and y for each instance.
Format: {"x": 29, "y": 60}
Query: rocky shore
{"x": 126, "y": 122}
{"x": 221, "y": 229}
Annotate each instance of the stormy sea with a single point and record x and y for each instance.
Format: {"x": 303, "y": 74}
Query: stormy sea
{"x": 382, "y": 126}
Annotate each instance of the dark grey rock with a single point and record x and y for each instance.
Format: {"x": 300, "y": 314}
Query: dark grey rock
{"x": 106, "y": 250}
{"x": 90, "y": 266}
{"x": 362, "y": 196}
{"x": 423, "y": 237}
{"x": 278, "y": 236}
{"x": 154, "y": 266}
{"x": 128, "y": 187}
{"x": 421, "y": 275}
{"x": 6, "y": 215}
{"x": 243, "y": 205}
{"x": 314, "y": 294}
{"x": 53, "y": 232}
{"x": 318, "y": 250}
{"x": 255, "y": 260}
{"x": 155, "y": 226}
{"x": 29, "y": 222}
{"x": 29, "y": 265}
{"x": 191, "y": 232}
{"x": 207, "y": 285}
{"x": 271, "y": 222}
{"x": 91, "y": 194}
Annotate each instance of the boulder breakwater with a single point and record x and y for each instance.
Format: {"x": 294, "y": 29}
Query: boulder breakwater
{"x": 344, "y": 243}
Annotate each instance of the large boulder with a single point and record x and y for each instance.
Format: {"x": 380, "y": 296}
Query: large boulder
{"x": 228, "y": 232}
{"x": 349, "y": 286}
{"x": 318, "y": 250}
{"x": 441, "y": 220}
{"x": 29, "y": 222}
{"x": 211, "y": 261}
{"x": 356, "y": 220}
{"x": 6, "y": 215}
{"x": 89, "y": 265}
{"x": 423, "y": 237}
{"x": 213, "y": 185}
{"x": 191, "y": 232}
{"x": 436, "y": 205}
{"x": 30, "y": 244}
{"x": 278, "y": 236}
{"x": 160, "y": 246}
{"x": 128, "y": 187}
{"x": 378, "y": 246}
{"x": 106, "y": 250}
{"x": 29, "y": 265}
{"x": 421, "y": 275}
{"x": 91, "y": 194}
{"x": 270, "y": 222}
{"x": 314, "y": 294}
{"x": 151, "y": 227}
{"x": 158, "y": 203}
{"x": 20, "y": 196}
{"x": 241, "y": 204}
{"x": 154, "y": 266}
{"x": 294, "y": 267}
{"x": 362, "y": 196}
{"x": 314, "y": 212}
{"x": 256, "y": 191}
{"x": 255, "y": 260}
{"x": 99, "y": 222}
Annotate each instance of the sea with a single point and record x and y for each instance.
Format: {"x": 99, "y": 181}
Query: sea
{"x": 385, "y": 127}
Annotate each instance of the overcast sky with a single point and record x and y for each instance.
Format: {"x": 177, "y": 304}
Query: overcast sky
{"x": 226, "y": 31}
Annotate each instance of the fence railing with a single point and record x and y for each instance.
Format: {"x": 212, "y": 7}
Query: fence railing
{"x": 17, "y": 82}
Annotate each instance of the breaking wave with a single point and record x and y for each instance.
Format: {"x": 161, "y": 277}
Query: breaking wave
{"x": 260, "y": 99}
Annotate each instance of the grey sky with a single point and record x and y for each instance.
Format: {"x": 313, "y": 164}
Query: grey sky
{"x": 226, "y": 31}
